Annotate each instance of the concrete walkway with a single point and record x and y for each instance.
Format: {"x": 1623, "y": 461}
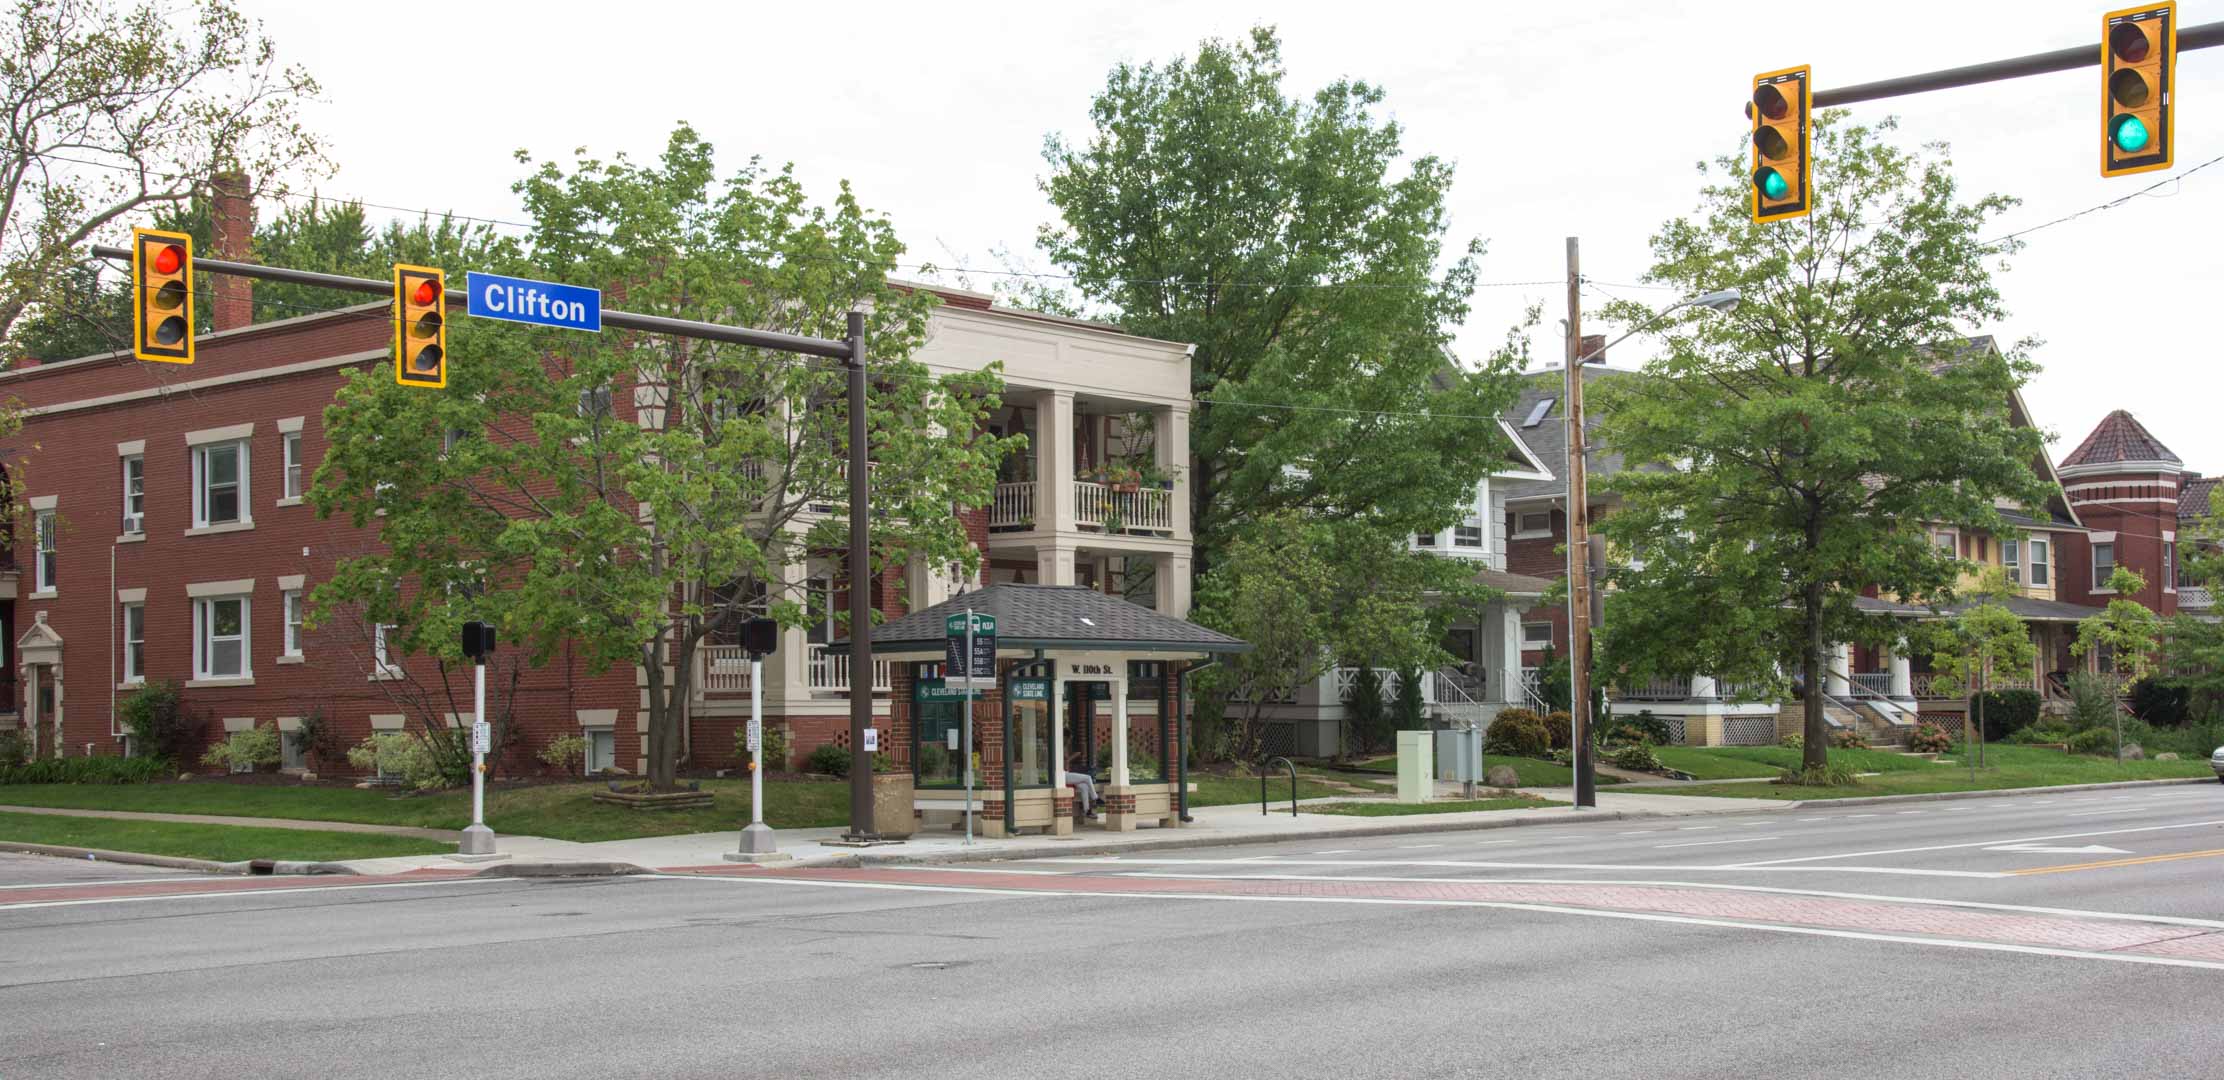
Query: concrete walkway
{"x": 254, "y": 822}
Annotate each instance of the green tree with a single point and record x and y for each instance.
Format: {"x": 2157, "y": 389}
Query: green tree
{"x": 627, "y": 496}
{"x": 116, "y": 113}
{"x": 1785, "y": 458}
{"x": 1982, "y": 639}
{"x": 2194, "y": 647}
{"x": 2126, "y": 635}
{"x": 1270, "y": 590}
{"x": 1303, "y": 254}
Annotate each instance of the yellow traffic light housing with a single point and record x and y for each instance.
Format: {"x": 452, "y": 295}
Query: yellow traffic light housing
{"x": 162, "y": 296}
{"x": 2139, "y": 69}
{"x": 420, "y": 326}
{"x": 1783, "y": 174}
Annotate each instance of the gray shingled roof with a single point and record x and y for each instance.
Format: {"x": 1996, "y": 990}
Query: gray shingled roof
{"x": 2025, "y": 607}
{"x": 1055, "y": 617}
{"x": 1547, "y": 439}
{"x": 2195, "y": 496}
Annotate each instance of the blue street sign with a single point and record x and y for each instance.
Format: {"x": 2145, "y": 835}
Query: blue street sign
{"x": 543, "y": 303}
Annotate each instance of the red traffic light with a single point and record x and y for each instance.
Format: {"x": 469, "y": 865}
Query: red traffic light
{"x": 168, "y": 258}
{"x": 427, "y": 291}
{"x": 2129, "y": 43}
{"x": 1772, "y": 102}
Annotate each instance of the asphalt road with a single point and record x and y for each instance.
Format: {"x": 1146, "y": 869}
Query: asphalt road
{"x": 2038, "y": 936}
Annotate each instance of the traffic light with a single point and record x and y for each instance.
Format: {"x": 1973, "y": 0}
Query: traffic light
{"x": 162, "y": 296}
{"x": 2139, "y": 67}
{"x": 1782, "y": 172}
{"x": 420, "y": 326}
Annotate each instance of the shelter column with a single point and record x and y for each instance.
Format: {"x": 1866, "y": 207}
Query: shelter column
{"x": 1061, "y": 796}
{"x": 1119, "y": 799}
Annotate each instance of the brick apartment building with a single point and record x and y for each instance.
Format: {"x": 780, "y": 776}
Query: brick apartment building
{"x": 170, "y": 539}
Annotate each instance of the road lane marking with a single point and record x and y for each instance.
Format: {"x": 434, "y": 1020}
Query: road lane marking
{"x": 1338, "y": 851}
{"x": 2110, "y": 863}
{"x": 1980, "y": 843}
{"x": 1694, "y": 828}
{"x": 1910, "y": 812}
{"x": 2105, "y": 813}
{"x": 1712, "y": 843}
{"x": 1860, "y": 815}
{"x": 1813, "y": 819}
{"x": 1417, "y": 847}
{"x": 2061, "y": 849}
{"x": 1469, "y": 864}
{"x": 1501, "y": 905}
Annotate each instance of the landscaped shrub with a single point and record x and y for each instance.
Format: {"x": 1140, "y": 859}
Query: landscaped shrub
{"x": 86, "y": 770}
{"x": 2159, "y": 703}
{"x": 1849, "y": 739}
{"x": 829, "y": 759}
{"x": 1931, "y": 739}
{"x": 1636, "y": 757}
{"x": 401, "y": 755}
{"x": 319, "y": 739}
{"x": 14, "y": 749}
{"x": 1643, "y": 727}
{"x": 245, "y": 751}
{"x": 1518, "y": 732}
{"x": 2008, "y": 711}
{"x": 1369, "y": 726}
{"x": 1407, "y": 709}
{"x": 1835, "y": 774}
{"x": 934, "y": 759}
{"x": 2038, "y": 735}
{"x": 2094, "y": 740}
{"x": 160, "y": 724}
{"x": 1794, "y": 741}
{"x": 1557, "y": 728}
{"x": 564, "y": 753}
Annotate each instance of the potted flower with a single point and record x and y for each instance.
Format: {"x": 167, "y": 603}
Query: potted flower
{"x": 1155, "y": 477}
{"x": 1125, "y": 479}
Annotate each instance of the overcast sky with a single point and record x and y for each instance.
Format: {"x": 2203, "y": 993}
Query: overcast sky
{"x": 1564, "y": 119}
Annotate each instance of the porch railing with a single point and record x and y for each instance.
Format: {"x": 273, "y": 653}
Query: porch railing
{"x": 1878, "y": 682}
{"x": 722, "y": 669}
{"x": 1147, "y": 510}
{"x": 1013, "y": 507}
{"x": 1659, "y": 690}
{"x": 829, "y": 670}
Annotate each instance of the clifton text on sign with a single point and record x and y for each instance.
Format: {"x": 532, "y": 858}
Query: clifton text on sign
{"x": 544, "y": 303}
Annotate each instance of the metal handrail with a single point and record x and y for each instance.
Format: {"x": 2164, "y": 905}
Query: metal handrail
{"x": 1263, "y": 766}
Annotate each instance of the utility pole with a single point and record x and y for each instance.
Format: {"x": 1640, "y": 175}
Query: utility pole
{"x": 1578, "y": 545}
{"x": 860, "y": 595}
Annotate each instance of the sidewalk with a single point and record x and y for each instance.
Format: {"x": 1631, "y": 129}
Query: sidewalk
{"x": 1213, "y": 826}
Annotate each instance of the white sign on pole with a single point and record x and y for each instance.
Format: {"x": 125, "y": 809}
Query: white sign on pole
{"x": 872, "y": 739}
{"x": 756, "y": 734}
{"x": 482, "y": 737}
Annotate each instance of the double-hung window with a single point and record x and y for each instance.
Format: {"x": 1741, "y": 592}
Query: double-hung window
{"x": 2011, "y": 557}
{"x": 2041, "y": 563}
{"x": 220, "y": 638}
{"x": 1467, "y": 536}
{"x": 1533, "y": 523}
{"x": 135, "y": 494}
{"x": 382, "y": 659}
{"x": 49, "y": 561}
{"x": 1536, "y": 635}
{"x": 135, "y": 643}
{"x": 1424, "y": 539}
{"x": 291, "y": 445}
{"x": 2170, "y": 565}
{"x": 2104, "y": 564}
{"x": 220, "y": 483}
{"x": 292, "y": 600}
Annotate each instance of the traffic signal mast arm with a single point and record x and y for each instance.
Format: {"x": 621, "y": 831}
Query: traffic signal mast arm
{"x": 650, "y": 324}
{"x": 2206, "y": 35}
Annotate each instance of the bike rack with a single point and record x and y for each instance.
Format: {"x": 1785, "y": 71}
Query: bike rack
{"x": 1263, "y": 767}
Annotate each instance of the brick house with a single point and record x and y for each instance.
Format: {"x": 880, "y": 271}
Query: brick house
{"x": 169, "y": 540}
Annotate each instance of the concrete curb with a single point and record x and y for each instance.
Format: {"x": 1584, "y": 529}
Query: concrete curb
{"x": 600, "y": 869}
{"x": 129, "y": 858}
{"x": 1995, "y": 793}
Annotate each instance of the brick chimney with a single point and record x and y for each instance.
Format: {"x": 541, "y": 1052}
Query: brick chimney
{"x": 232, "y": 214}
{"x": 1592, "y": 343}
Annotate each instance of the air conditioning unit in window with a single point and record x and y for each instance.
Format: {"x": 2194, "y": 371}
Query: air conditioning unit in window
{"x": 133, "y": 525}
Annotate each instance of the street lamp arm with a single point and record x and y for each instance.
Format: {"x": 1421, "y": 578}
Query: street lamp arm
{"x": 1720, "y": 300}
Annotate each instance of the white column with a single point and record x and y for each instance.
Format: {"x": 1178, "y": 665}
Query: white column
{"x": 1054, "y": 564}
{"x": 1834, "y": 680}
{"x": 1119, "y": 731}
{"x": 1903, "y": 675}
{"x": 1173, "y": 457}
{"x": 1174, "y": 583}
{"x": 1509, "y": 658}
{"x": 1054, "y": 458}
{"x": 1057, "y": 729}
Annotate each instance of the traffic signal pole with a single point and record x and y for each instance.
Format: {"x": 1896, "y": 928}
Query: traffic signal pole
{"x": 2206, "y": 35}
{"x": 850, "y": 350}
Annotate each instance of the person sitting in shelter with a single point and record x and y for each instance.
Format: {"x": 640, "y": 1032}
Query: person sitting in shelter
{"x": 1084, "y": 787}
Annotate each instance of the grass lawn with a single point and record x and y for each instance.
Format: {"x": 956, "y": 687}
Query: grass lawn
{"x": 221, "y": 843}
{"x": 1534, "y": 772}
{"x": 2005, "y": 767}
{"x": 1708, "y": 764}
{"x": 1454, "y": 806}
{"x": 1216, "y": 790}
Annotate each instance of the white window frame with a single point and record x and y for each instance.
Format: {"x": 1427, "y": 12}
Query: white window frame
{"x": 1467, "y": 536}
{"x": 587, "y": 759}
{"x": 826, "y": 626}
{"x": 382, "y": 662}
{"x": 48, "y": 557}
{"x": 2011, "y": 557}
{"x": 290, "y": 609}
{"x": 2169, "y": 565}
{"x": 293, "y": 754}
{"x": 290, "y": 452}
{"x": 1425, "y": 539}
{"x": 1522, "y": 531}
{"x": 205, "y": 639}
{"x": 201, "y": 519}
{"x": 2100, "y": 580}
{"x": 1529, "y": 642}
{"x": 135, "y": 501}
{"x": 2041, "y": 559}
{"x": 1948, "y": 543}
{"x": 134, "y": 667}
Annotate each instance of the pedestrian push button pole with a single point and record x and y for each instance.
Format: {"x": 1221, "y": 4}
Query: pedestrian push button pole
{"x": 478, "y": 644}
{"x": 759, "y": 637}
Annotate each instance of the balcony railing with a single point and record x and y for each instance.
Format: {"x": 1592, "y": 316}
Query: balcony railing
{"x": 1013, "y": 508}
{"x": 1147, "y": 510}
{"x": 722, "y": 669}
{"x": 829, "y": 670}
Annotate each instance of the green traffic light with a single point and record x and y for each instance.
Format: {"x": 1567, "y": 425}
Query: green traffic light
{"x": 2129, "y": 134}
{"x": 1772, "y": 183}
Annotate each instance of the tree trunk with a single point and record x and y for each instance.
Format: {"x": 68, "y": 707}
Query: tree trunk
{"x": 662, "y": 750}
{"x": 1815, "y": 753}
